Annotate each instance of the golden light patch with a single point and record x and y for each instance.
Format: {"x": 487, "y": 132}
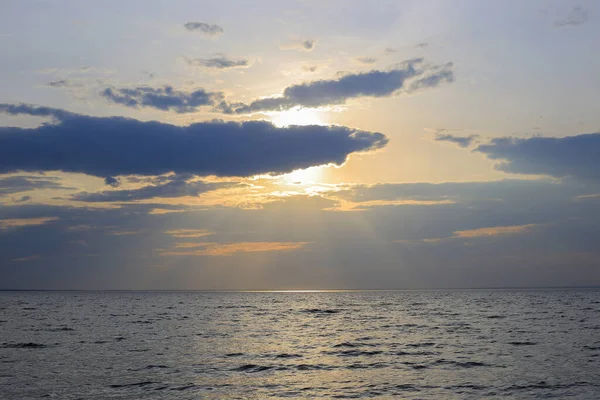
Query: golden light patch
{"x": 227, "y": 249}
{"x": 189, "y": 233}
{"x": 21, "y": 222}
{"x": 493, "y": 231}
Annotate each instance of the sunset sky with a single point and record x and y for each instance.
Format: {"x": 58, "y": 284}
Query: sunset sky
{"x": 230, "y": 145}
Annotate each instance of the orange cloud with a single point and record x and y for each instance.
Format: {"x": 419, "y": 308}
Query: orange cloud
{"x": 493, "y": 231}
{"x": 227, "y": 249}
{"x": 189, "y": 233}
{"x": 21, "y": 222}
{"x": 475, "y": 233}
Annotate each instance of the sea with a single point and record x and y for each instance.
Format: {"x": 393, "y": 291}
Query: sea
{"x": 462, "y": 344}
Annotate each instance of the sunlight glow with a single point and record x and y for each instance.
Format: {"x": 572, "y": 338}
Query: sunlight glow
{"x": 297, "y": 116}
{"x": 303, "y": 176}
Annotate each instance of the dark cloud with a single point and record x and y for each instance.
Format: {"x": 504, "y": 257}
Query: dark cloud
{"x": 22, "y": 199}
{"x": 309, "y": 44}
{"x": 433, "y": 77}
{"x": 571, "y": 156}
{"x": 36, "y": 111}
{"x": 177, "y": 186}
{"x": 219, "y": 62}
{"x": 338, "y": 91}
{"x": 64, "y": 83}
{"x": 112, "y": 181}
{"x": 577, "y": 16}
{"x": 17, "y": 184}
{"x": 113, "y": 146}
{"x": 204, "y": 28}
{"x": 165, "y": 98}
{"x": 462, "y": 141}
{"x": 302, "y": 45}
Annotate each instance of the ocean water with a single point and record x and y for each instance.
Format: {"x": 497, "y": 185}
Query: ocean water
{"x": 196, "y": 345}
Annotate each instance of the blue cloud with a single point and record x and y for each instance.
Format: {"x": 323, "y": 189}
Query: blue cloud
{"x": 165, "y": 98}
{"x": 571, "y": 156}
{"x": 337, "y": 91}
{"x": 204, "y": 28}
{"x": 462, "y": 141}
{"x": 113, "y": 146}
{"x": 218, "y": 62}
{"x": 17, "y": 184}
{"x": 177, "y": 186}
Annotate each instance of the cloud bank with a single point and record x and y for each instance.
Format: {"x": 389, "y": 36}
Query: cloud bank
{"x": 113, "y": 146}
{"x": 571, "y": 156}
{"x": 337, "y": 91}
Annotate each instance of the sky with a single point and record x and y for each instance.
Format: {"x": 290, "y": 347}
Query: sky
{"x": 299, "y": 144}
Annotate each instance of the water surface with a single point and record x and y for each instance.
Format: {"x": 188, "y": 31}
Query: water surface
{"x": 195, "y": 345}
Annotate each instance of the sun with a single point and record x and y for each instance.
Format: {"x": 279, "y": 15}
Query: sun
{"x": 297, "y": 116}
{"x": 303, "y": 176}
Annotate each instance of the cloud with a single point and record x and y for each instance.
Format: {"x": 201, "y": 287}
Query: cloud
{"x": 227, "y": 249}
{"x": 113, "y": 146}
{"x": 477, "y": 233}
{"x": 365, "y": 60}
{"x": 204, "y": 28}
{"x": 347, "y": 250}
{"x": 17, "y": 184}
{"x": 188, "y": 233}
{"x": 112, "y": 181}
{"x": 301, "y": 45}
{"x": 21, "y": 199}
{"x": 178, "y": 186}
{"x": 462, "y": 141}
{"x": 337, "y": 91}
{"x": 64, "y": 83}
{"x": 165, "y": 98}
{"x": 218, "y": 62}
{"x": 571, "y": 156}
{"x": 23, "y": 222}
{"x": 310, "y": 67}
{"x": 577, "y": 16}
{"x": 123, "y": 233}
{"x": 493, "y": 231}
{"x": 27, "y": 258}
{"x": 36, "y": 111}
{"x": 507, "y": 190}
{"x": 433, "y": 77}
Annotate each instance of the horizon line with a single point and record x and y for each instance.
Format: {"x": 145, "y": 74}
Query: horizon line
{"x": 310, "y": 290}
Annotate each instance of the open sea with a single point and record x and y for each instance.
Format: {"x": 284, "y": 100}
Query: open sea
{"x": 508, "y": 344}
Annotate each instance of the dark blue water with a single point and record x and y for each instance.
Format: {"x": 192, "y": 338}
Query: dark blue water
{"x": 412, "y": 345}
